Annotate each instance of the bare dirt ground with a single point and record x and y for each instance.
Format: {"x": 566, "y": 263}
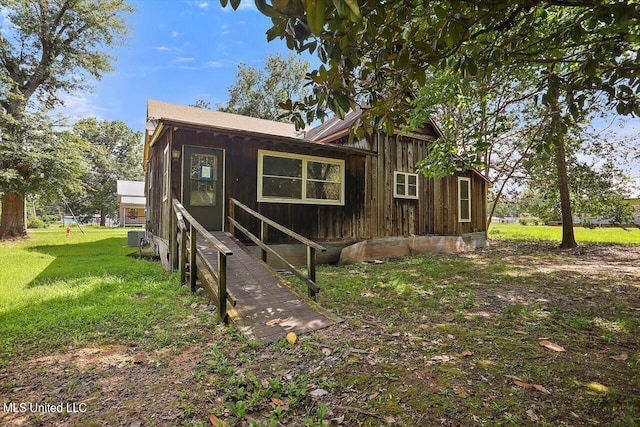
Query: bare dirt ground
{"x": 470, "y": 358}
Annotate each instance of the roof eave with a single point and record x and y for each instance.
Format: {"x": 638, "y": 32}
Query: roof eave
{"x": 250, "y": 134}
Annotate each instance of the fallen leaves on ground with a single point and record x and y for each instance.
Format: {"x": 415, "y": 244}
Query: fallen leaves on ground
{"x": 551, "y": 346}
{"x": 621, "y": 357}
{"x": 278, "y": 402}
{"x": 216, "y": 422}
{"x": 440, "y": 359}
{"x": 291, "y": 338}
{"x": 596, "y": 387}
{"x": 319, "y": 392}
{"x": 520, "y": 383}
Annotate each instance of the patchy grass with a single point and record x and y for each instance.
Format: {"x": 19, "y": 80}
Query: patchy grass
{"x": 58, "y": 291}
{"x": 611, "y": 235}
{"x": 431, "y": 340}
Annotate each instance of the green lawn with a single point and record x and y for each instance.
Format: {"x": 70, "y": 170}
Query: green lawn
{"x": 608, "y": 235}
{"x": 425, "y": 340}
{"x": 57, "y": 290}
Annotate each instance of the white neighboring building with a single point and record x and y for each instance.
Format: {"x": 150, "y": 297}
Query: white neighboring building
{"x": 132, "y": 203}
{"x": 634, "y": 198}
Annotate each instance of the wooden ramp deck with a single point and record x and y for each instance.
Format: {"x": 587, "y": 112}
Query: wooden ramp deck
{"x": 266, "y": 308}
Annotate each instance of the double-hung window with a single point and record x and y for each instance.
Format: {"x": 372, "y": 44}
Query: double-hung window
{"x": 464, "y": 199}
{"x": 405, "y": 185}
{"x": 294, "y": 178}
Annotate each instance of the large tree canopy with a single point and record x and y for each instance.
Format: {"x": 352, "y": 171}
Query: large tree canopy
{"x": 374, "y": 53}
{"x": 259, "y": 92}
{"x": 114, "y": 152}
{"x": 47, "y": 48}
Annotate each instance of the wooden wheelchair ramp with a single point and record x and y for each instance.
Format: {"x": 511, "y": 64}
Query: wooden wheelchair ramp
{"x": 266, "y": 307}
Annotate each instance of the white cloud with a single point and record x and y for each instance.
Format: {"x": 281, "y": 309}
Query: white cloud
{"x": 214, "y": 64}
{"x": 175, "y": 34}
{"x": 79, "y": 106}
{"x": 203, "y": 5}
{"x": 162, "y": 48}
{"x": 184, "y": 59}
{"x": 203, "y": 66}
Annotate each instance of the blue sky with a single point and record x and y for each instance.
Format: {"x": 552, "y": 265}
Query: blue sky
{"x": 178, "y": 51}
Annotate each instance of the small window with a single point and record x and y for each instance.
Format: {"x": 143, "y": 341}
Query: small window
{"x": 405, "y": 185}
{"x": 294, "y": 178}
{"x": 150, "y": 175}
{"x": 132, "y": 214}
{"x": 165, "y": 174}
{"x": 464, "y": 199}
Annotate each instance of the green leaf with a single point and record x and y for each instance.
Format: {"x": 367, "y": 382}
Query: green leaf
{"x": 348, "y": 9}
{"x": 341, "y": 102}
{"x": 273, "y": 32}
{"x": 224, "y": 3}
{"x": 590, "y": 67}
{"x": 355, "y": 9}
{"x": 316, "y": 15}
{"x": 265, "y": 9}
{"x": 440, "y": 12}
{"x": 235, "y": 4}
{"x": 470, "y": 66}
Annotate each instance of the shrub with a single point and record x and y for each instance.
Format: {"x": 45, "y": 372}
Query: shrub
{"x": 529, "y": 220}
{"x": 36, "y": 223}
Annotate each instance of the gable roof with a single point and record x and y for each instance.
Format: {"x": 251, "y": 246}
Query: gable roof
{"x": 164, "y": 111}
{"x": 162, "y": 115}
{"x": 335, "y": 128}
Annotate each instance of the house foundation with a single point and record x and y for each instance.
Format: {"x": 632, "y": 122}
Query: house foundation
{"x": 391, "y": 247}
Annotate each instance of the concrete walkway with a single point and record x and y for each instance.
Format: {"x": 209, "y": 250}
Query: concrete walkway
{"x": 266, "y": 308}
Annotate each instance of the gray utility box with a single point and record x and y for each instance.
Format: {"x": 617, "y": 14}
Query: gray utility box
{"x": 134, "y": 237}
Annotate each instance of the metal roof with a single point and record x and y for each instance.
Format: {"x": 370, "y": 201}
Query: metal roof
{"x": 333, "y": 126}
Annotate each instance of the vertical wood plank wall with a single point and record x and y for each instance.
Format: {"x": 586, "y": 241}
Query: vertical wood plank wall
{"x": 370, "y": 209}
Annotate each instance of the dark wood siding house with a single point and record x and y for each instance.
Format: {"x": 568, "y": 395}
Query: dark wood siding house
{"x": 312, "y": 182}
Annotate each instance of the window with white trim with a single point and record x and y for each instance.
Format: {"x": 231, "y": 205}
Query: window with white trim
{"x": 295, "y": 178}
{"x": 165, "y": 174}
{"x": 405, "y": 185}
{"x": 464, "y": 199}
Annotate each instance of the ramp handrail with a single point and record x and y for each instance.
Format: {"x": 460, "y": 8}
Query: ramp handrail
{"x": 188, "y": 229}
{"x": 312, "y": 247}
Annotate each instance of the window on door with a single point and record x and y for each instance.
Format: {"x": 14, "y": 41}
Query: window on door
{"x": 203, "y": 176}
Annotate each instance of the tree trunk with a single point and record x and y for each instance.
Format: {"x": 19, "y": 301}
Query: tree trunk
{"x": 13, "y": 221}
{"x": 568, "y": 238}
{"x": 558, "y": 133}
{"x": 103, "y": 221}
